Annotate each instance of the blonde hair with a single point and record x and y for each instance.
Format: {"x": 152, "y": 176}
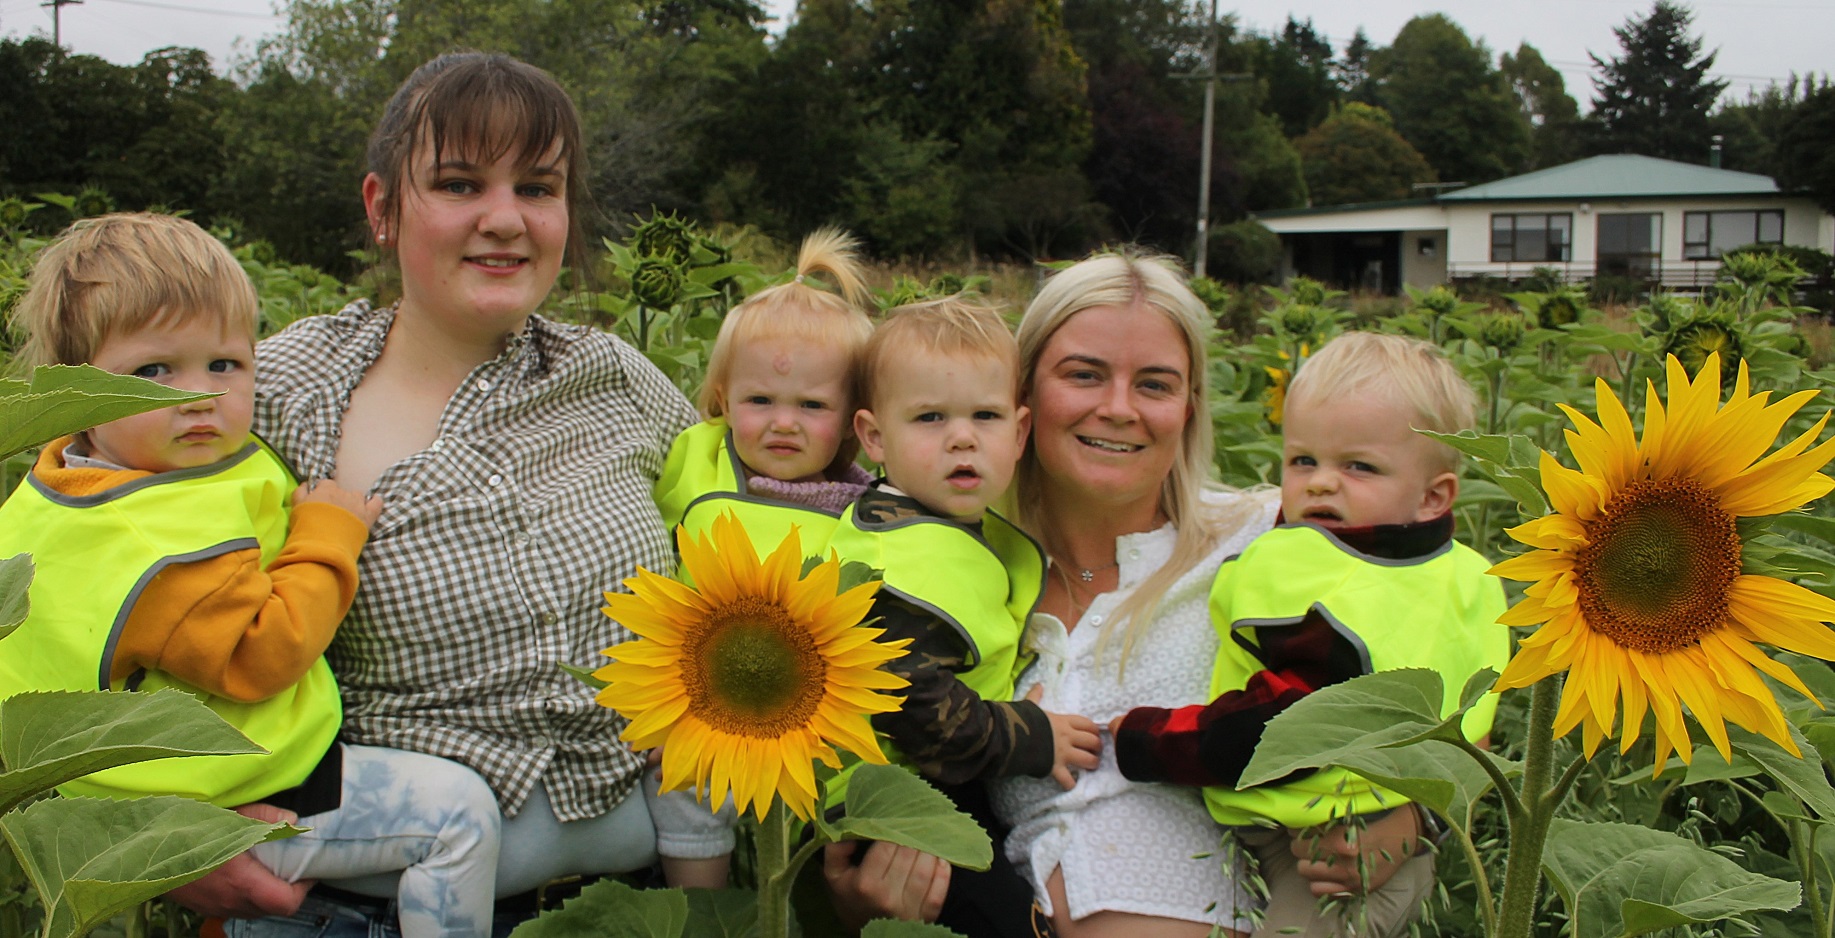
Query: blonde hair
{"x": 802, "y": 312}
{"x": 1411, "y": 372}
{"x": 123, "y": 272}
{"x": 1147, "y": 284}
{"x": 951, "y": 326}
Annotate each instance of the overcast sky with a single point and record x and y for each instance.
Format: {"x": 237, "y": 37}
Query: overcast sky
{"x": 1759, "y": 40}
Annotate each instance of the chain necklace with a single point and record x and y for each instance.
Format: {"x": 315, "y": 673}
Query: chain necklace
{"x": 1088, "y": 574}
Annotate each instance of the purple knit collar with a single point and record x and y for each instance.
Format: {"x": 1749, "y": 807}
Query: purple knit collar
{"x": 832, "y": 496}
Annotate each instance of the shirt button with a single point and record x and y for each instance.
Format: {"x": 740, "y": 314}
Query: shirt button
{"x": 1095, "y": 620}
{"x": 495, "y": 479}
{"x": 484, "y": 385}
{"x": 549, "y": 618}
{"x": 438, "y": 444}
{"x": 1134, "y": 555}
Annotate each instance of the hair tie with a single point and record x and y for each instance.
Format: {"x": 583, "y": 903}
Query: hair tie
{"x": 799, "y": 278}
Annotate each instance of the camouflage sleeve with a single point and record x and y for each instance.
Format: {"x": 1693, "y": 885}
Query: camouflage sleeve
{"x": 946, "y": 731}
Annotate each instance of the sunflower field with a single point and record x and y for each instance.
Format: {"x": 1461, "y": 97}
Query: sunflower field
{"x": 1649, "y": 474}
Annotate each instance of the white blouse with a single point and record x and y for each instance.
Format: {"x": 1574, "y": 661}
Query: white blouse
{"x": 1143, "y": 848}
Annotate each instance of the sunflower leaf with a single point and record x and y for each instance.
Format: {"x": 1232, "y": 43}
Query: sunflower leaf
{"x": 1624, "y": 879}
{"x": 1375, "y": 711}
{"x": 61, "y": 399}
{"x": 48, "y": 738}
{"x": 721, "y": 913}
{"x": 1802, "y": 777}
{"x": 890, "y": 803}
{"x": 15, "y": 592}
{"x": 896, "y": 928}
{"x": 1507, "y": 461}
{"x": 854, "y": 573}
{"x": 610, "y": 909}
{"x": 583, "y": 675}
{"x": 1439, "y": 775}
{"x": 91, "y": 858}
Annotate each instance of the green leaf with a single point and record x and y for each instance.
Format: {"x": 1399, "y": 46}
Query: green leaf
{"x": 583, "y": 675}
{"x": 895, "y": 928}
{"x": 854, "y": 573}
{"x": 15, "y": 592}
{"x": 1491, "y": 448}
{"x": 610, "y": 909}
{"x": 721, "y": 913}
{"x": 91, "y": 858}
{"x": 63, "y": 399}
{"x": 1802, "y": 777}
{"x": 1374, "y": 711}
{"x": 890, "y": 803}
{"x": 1622, "y": 880}
{"x": 48, "y": 738}
{"x": 1815, "y": 526}
{"x": 1439, "y": 775}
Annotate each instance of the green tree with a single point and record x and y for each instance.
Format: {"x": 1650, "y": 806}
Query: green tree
{"x": 1654, "y": 98}
{"x": 1753, "y": 129}
{"x": 1352, "y": 70}
{"x": 1449, "y": 102}
{"x": 1552, "y": 114}
{"x": 146, "y": 133}
{"x": 1296, "y": 66}
{"x": 1806, "y": 154}
{"x": 1356, "y": 156}
{"x": 1144, "y": 115}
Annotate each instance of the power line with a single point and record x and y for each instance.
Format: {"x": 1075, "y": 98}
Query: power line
{"x": 186, "y": 9}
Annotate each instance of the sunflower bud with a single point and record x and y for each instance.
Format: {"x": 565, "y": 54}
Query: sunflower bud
{"x": 1214, "y": 295}
{"x": 658, "y": 282}
{"x": 1693, "y": 342}
{"x": 1300, "y": 320}
{"x": 1437, "y": 302}
{"x": 1560, "y": 309}
{"x": 663, "y": 236}
{"x": 1502, "y": 331}
{"x": 1306, "y": 291}
{"x": 13, "y": 213}
{"x": 92, "y": 202}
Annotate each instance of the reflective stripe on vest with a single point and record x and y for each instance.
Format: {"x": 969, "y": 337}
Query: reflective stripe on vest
{"x": 1439, "y": 612}
{"x": 94, "y": 555}
{"x": 701, "y": 481}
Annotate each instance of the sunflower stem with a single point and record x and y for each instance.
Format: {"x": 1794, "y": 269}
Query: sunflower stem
{"x": 1487, "y": 903}
{"x": 1512, "y": 805}
{"x": 1529, "y": 820}
{"x": 774, "y": 872}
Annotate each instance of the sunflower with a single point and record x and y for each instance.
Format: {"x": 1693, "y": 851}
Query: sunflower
{"x": 748, "y": 676}
{"x": 1637, "y": 578}
{"x": 1276, "y": 396}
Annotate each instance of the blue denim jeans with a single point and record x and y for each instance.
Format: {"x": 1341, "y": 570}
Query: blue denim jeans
{"x": 430, "y": 823}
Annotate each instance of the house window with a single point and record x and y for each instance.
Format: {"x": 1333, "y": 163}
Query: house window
{"x": 1630, "y": 244}
{"x": 1707, "y": 235}
{"x": 1536, "y": 239}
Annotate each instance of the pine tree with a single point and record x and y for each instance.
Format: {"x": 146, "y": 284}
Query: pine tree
{"x": 1655, "y": 98}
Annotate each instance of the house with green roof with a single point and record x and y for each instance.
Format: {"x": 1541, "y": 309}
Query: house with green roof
{"x": 1628, "y": 216}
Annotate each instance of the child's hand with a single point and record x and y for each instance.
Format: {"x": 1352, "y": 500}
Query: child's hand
{"x": 1074, "y": 742}
{"x": 367, "y": 508}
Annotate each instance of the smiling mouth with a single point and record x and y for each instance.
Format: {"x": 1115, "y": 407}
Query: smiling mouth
{"x": 502, "y": 263}
{"x": 1109, "y": 446}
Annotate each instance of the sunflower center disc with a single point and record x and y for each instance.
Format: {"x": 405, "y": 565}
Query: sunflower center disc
{"x": 1655, "y": 574}
{"x": 754, "y": 671}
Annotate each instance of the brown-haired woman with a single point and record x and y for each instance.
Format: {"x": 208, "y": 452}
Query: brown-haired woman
{"x": 516, "y": 456}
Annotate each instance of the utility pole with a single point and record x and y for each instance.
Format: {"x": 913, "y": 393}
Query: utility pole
{"x": 1211, "y": 78}
{"x": 57, "y": 19}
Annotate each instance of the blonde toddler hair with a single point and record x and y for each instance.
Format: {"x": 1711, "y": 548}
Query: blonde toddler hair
{"x": 952, "y": 326}
{"x": 120, "y": 273}
{"x": 802, "y": 312}
{"x": 1412, "y": 372}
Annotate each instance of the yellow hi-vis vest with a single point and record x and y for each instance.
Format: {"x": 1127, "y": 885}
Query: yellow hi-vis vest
{"x": 702, "y": 479}
{"x": 1437, "y": 611}
{"x": 94, "y": 555}
{"x": 983, "y": 585}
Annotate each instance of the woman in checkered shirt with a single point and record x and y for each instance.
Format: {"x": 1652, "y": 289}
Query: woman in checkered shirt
{"x": 516, "y": 457}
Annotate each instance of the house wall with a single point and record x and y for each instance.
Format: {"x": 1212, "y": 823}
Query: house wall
{"x": 1469, "y": 231}
{"x": 1421, "y": 270}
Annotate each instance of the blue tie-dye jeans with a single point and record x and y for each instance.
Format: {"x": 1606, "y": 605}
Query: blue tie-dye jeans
{"x": 432, "y": 820}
